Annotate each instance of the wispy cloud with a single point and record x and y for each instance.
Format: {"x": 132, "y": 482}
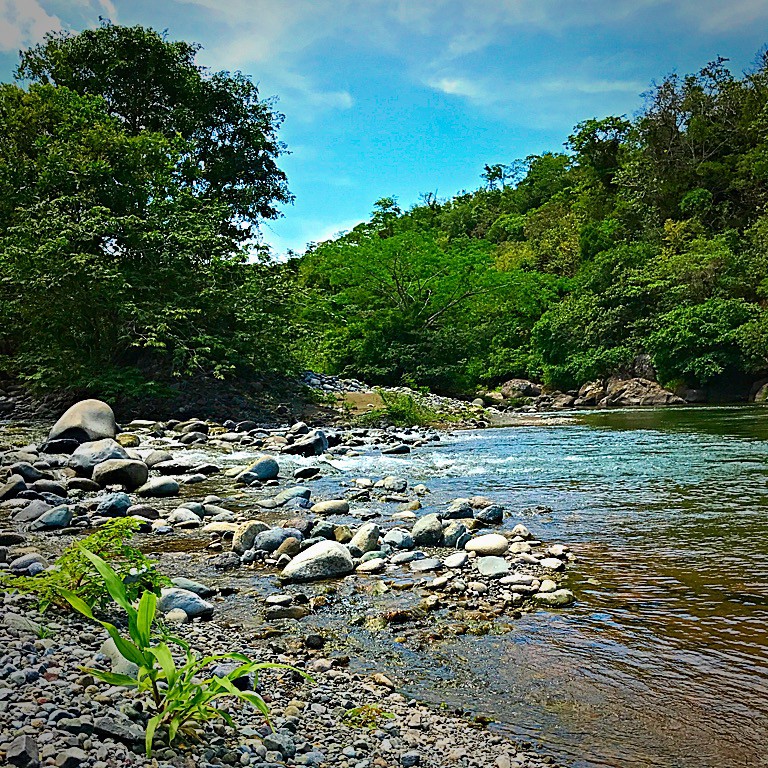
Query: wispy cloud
{"x": 23, "y": 22}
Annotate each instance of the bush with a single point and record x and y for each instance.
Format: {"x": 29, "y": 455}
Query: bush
{"x": 74, "y": 572}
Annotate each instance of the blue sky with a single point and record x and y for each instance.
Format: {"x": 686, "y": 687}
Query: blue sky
{"x": 402, "y": 97}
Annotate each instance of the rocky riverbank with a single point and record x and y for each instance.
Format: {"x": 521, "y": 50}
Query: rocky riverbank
{"x": 261, "y": 532}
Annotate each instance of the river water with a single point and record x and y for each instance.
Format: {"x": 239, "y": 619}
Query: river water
{"x": 663, "y": 661}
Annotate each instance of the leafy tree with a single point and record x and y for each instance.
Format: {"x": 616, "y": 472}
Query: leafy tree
{"x": 151, "y": 84}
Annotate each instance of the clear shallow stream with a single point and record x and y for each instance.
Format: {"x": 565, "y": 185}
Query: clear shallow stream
{"x": 664, "y": 659}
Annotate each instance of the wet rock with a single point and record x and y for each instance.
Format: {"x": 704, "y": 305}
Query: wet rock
{"x": 189, "y": 602}
{"x": 489, "y": 544}
{"x": 332, "y": 507}
{"x": 28, "y": 564}
{"x": 374, "y": 565}
{"x": 126, "y": 472}
{"x": 270, "y": 540}
{"x": 342, "y": 534}
{"x": 291, "y": 547}
{"x": 264, "y": 468}
{"x": 427, "y": 531}
{"x": 366, "y": 539}
{"x": 393, "y": 484}
{"x": 203, "y": 590}
{"x": 396, "y": 450}
{"x": 552, "y": 564}
{"x": 399, "y": 538}
{"x": 85, "y": 421}
{"x": 455, "y": 534}
{"x": 314, "y": 444}
{"x": 557, "y": 599}
{"x": 159, "y": 487}
{"x": 27, "y": 472}
{"x": 323, "y": 560}
{"x": 521, "y": 531}
{"x": 245, "y": 534}
{"x": 306, "y": 473}
{"x": 459, "y": 509}
{"x": 490, "y": 515}
{"x": 322, "y": 529}
{"x": 82, "y": 484}
{"x": 157, "y": 457}
{"x": 89, "y": 454}
{"x": 427, "y": 564}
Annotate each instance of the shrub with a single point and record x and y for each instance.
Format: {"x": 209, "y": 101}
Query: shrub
{"x": 74, "y": 572}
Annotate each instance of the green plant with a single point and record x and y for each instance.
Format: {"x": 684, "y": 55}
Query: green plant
{"x": 43, "y": 632}
{"x": 179, "y": 699}
{"x": 74, "y": 572}
{"x": 368, "y": 716}
{"x": 402, "y": 410}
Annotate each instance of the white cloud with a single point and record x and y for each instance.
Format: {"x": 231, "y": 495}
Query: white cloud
{"x": 23, "y": 22}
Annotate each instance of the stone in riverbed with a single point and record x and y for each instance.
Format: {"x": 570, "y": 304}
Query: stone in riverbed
{"x": 366, "y": 539}
{"x": 12, "y": 488}
{"x": 427, "y": 531}
{"x": 32, "y": 511}
{"x": 459, "y": 509}
{"x": 189, "y": 602}
{"x": 490, "y": 515}
{"x": 490, "y": 544}
{"x": 159, "y": 487}
{"x": 427, "y": 564}
{"x": 332, "y": 507}
{"x": 521, "y": 531}
{"x": 264, "y": 468}
{"x": 492, "y": 567}
{"x": 157, "y": 457}
{"x": 32, "y": 561}
{"x": 556, "y": 599}
{"x": 85, "y": 421}
{"x": 114, "y": 505}
{"x": 397, "y": 450}
{"x": 271, "y": 539}
{"x": 375, "y": 565}
{"x": 456, "y": 560}
{"x": 393, "y": 484}
{"x": 399, "y": 538}
{"x": 203, "y": 590}
{"x": 552, "y": 564}
{"x": 323, "y": 560}
{"x": 127, "y": 472}
{"x": 89, "y": 454}
{"x": 455, "y": 533}
{"x": 58, "y": 517}
{"x": 245, "y": 533}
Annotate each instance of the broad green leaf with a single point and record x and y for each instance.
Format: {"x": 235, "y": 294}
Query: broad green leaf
{"x": 151, "y": 728}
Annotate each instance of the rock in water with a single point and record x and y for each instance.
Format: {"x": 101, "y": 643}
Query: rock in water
{"x": 490, "y": 544}
{"x": 427, "y": 531}
{"x": 127, "y": 472}
{"x": 367, "y": 538}
{"x": 91, "y": 453}
{"x": 264, "y": 468}
{"x": 556, "y": 599}
{"x": 85, "y": 421}
{"x": 323, "y": 560}
{"x": 159, "y": 486}
{"x": 245, "y": 533}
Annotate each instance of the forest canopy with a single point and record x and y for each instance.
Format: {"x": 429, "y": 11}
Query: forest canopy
{"x": 645, "y": 236}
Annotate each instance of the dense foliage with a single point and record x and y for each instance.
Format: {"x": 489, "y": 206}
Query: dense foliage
{"x": 647, "y": 236}
{"x": 130, "y": 183}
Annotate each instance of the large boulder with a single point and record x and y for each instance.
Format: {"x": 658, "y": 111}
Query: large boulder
{"x": 490, "y": 544}
{"x": 91, "y": 453}
{"x": 517, "y": 388}
{"x": 127, "y": 472}
{"x": 264, "y": 468}
{"x": 324, "y": 560}
{"x": 591, "y": 393}
{"x": 85, "y": 421}
{"x": 633, "y": 392}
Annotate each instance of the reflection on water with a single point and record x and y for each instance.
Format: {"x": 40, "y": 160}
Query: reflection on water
{"x": 664, "y": 660}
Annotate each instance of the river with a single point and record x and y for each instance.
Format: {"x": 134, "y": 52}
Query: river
{"x": 663, "y": 661}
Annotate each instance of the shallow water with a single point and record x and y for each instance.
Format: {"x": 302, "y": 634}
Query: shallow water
{"x": 664, "y": 659}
